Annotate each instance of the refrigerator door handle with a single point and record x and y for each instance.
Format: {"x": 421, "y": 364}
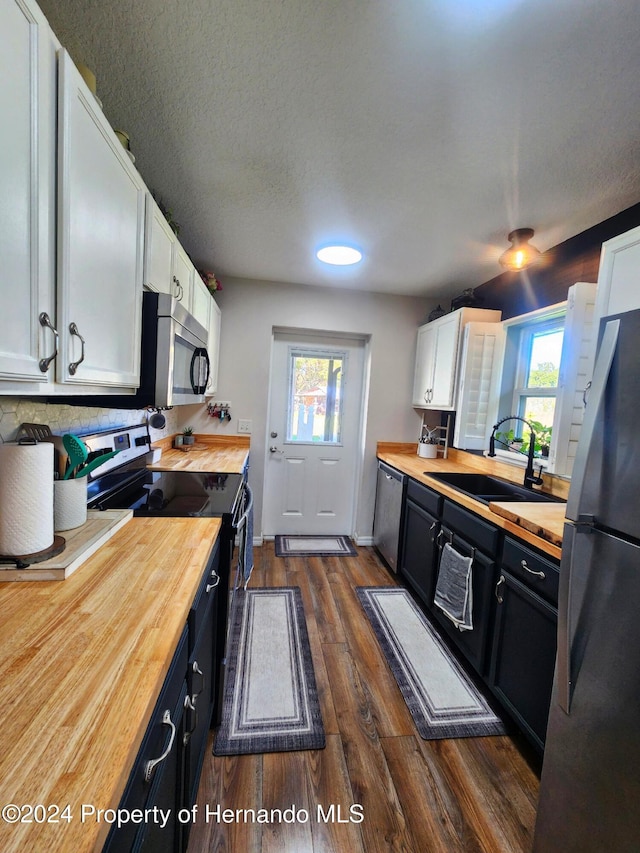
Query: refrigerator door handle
{"x": 575, "y": 502}
{"x": 563, "y": 659}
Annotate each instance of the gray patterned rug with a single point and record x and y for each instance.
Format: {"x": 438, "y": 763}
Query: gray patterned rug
{"x": 314, "y": 546}
{"x": 443, "y": 701}
{"x": 271, "y": 700}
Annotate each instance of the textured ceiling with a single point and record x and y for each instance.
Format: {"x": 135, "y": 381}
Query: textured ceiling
{"x": 421, "y": 130}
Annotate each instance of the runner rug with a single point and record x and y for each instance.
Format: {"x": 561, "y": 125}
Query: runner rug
{"x": 271, "y": 700}
{"x": 442, "y": 699}
{"x": 314, "y": 546}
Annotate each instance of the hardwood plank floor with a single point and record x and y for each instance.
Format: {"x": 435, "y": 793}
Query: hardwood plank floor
{"x": 377, "y": 786}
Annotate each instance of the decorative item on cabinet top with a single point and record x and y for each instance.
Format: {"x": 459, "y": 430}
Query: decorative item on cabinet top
{"x": 467, "y": 299}
{"x": 436, "y": 314}
{"x": 168, "y": 215}
{"x": 211, "y": 280}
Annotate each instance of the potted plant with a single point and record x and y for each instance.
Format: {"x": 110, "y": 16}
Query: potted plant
{"x": 543, "y": 438}
{"x": 187, "y": 435}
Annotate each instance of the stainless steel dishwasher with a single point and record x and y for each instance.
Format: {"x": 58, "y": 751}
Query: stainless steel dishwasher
{"x": 387, "y": 520}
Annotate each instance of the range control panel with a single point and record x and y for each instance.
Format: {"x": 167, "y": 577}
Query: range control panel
{"x": 131, "y": 443}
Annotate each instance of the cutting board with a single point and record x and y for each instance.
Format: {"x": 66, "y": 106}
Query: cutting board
{"x": 81, "y": 543}
{"x": 544, "y": 519}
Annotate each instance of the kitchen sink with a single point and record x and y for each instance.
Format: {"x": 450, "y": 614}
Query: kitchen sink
{"x": 486, "y": 488}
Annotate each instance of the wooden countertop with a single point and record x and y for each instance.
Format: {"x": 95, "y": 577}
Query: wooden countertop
{"x": 542, "y": 530}
{"x": 82, "y": 665}
{"x": 223, "y": 455}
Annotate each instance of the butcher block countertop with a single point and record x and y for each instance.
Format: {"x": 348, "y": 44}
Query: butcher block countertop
{"x": 212, "y": 453}
{"x": 82, "y": 665}
{"x": 538, "y": 524}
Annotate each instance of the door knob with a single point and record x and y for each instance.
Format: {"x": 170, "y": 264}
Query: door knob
{"x": 274, "y": 449}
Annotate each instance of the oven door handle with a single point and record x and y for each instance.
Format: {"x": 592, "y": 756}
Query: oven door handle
{"x": 200, "y": 354}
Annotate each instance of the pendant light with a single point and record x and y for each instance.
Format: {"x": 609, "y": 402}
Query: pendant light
{"x": 520, "y": 254}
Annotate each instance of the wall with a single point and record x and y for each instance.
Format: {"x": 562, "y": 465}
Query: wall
{"x": 250, "y": 310}
{"x": 76, "y": 419}
{"x": 577, "y": 259}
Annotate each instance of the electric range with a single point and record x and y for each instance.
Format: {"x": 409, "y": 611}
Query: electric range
{"x": 124, "y": 482}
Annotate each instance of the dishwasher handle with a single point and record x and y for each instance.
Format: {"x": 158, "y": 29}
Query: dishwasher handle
{"x": 391, "y": 473}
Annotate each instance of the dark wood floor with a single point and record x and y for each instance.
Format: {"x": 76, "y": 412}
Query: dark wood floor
{"x": 473, "y": 794}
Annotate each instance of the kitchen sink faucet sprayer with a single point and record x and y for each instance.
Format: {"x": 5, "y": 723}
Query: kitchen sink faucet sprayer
{"x": 529, "y": 479}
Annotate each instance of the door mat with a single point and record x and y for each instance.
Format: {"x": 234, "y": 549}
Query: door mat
{"x": 442, "y": 699}
{"x": 270, "y": 699}
{"x": 314, "y": 546}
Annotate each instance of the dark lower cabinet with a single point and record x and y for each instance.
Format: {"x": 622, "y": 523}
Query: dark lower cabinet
{"x": 156, "y": 778}
{"x": 472, "y": 644}
{"x": 523, "y": 654}
{"x": 419, "y": 551}
{"x": 515, "y": 595}
{"x": 201, "y": 681}
{"x": 167, "y": 769}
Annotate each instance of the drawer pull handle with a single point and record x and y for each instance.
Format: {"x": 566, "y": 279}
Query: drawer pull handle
{"x": 73, "y": 367}
{"x": 499, "y": 596}
{"x": 151, "y": 765}
{"x": 214, "y": 577}
{"x": 524, "y": 565}
{"x": 197, "y": 671}
{"x": 190, "y": 705}
{"x": 45, "y": 322}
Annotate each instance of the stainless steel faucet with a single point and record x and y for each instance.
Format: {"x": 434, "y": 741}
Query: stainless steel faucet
{"x": 530, "y": 480}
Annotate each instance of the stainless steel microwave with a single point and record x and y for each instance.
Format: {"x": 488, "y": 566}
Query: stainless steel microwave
{"x": 175, "y": 367}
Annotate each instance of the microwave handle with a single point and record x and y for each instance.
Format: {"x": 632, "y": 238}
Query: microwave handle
{"x": 199, "y": 353}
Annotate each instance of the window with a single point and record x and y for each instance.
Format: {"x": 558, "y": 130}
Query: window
{"x": 530, "y": 380}
{"x": 314, "y": 408}
{"x": 537, "y": 377}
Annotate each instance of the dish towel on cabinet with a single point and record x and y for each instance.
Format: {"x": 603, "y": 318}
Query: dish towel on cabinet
{"x": 454, "y": 593}
{"x": 245, "y": 545}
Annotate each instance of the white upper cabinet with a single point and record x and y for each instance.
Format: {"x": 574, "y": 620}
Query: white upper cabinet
{"x": 619, "y": 275}
{"x": 213, "y": 346}
{"x": 438, "y": 355}
{"x": 27, "y": 178}
{"x": 159, "y": 249}
{"x": 200, "y": 300}
{"x": 101, "y": 203}
{"x": 183, "y": 272}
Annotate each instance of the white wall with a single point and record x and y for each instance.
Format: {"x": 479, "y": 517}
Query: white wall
{"x": 250, "y": 310}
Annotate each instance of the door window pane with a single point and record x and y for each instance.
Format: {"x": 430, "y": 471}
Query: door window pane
{"x": 315, "y": 397}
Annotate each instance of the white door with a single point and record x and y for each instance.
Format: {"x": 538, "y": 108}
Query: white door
{"x": 313, "y": 441}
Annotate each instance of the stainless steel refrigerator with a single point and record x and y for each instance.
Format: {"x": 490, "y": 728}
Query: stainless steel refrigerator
{"x": 590, "y": 784}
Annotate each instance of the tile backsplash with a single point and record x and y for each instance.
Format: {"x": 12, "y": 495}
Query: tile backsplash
{"x": 63, "y": 418}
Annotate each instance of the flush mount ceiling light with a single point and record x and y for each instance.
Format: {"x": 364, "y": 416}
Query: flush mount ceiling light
{"x": 341, "y": 256}
{"x": 520, "y": 255}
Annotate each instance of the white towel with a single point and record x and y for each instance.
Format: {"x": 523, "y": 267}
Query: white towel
{"x": 454, "y": 591}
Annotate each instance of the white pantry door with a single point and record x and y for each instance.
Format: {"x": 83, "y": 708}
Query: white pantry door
{"x": 314, "y": 425}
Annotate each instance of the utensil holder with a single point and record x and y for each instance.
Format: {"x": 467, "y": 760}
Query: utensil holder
{"x": 69, "y": 503}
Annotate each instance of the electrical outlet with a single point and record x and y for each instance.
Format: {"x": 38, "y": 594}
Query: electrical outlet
{"x": 244, "y": 425}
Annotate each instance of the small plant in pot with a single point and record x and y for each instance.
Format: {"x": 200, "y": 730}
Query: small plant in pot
{"x": 187, "y": 435}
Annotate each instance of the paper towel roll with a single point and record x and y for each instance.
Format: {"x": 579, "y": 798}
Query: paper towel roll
{"x": 26, "y": 498}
